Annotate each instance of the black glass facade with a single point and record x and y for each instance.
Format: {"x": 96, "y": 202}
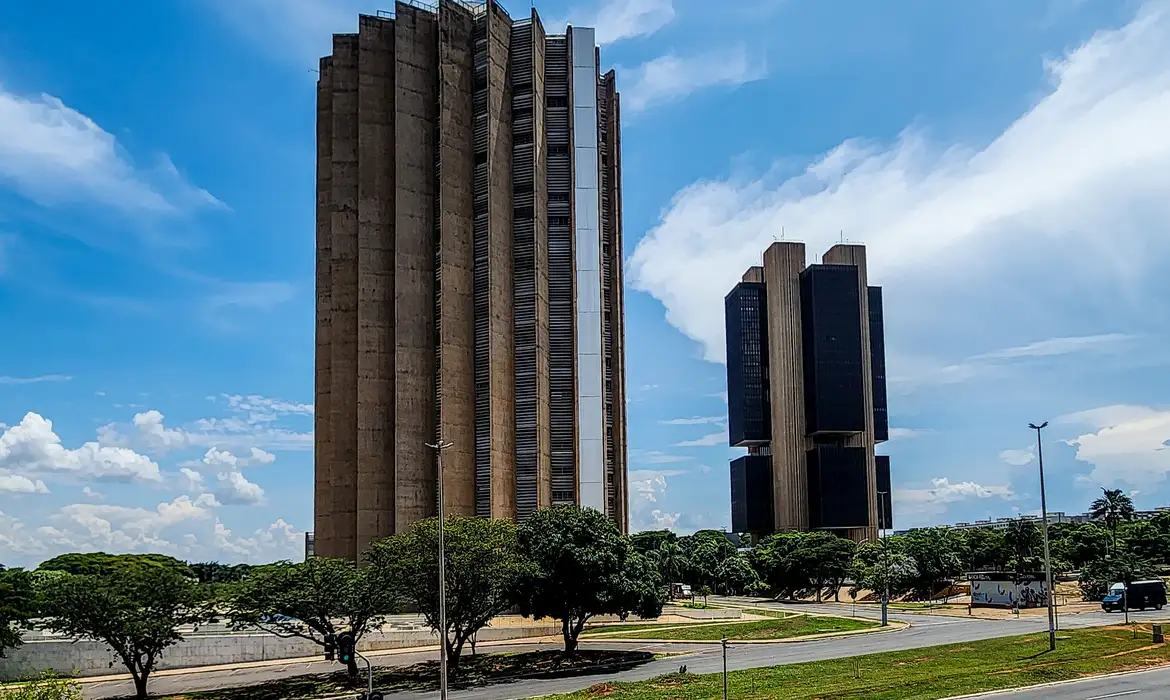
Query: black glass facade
{"x": 749, "y": 413}
{"x": 885, "y": 493}
{"x": 837, "y": 487}
{"x": 751, "y": 494}
{"x": 877, "y": 363}
{"x": 834, "y": 387}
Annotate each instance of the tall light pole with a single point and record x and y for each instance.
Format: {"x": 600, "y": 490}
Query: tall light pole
{"x": 1044, "y": 534}
{"x": 885, "y": 555}
{"x": 438, "y": 447}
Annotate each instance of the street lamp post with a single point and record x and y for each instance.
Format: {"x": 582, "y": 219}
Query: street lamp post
{"x": 885, "y": 556}
{"x": 438, "y": 447}
{"x": 1044, "y": 534}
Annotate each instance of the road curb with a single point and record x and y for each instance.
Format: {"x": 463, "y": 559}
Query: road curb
{"x": 1054, "y": 684}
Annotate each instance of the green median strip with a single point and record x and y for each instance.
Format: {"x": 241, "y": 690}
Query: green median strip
{"x": 917, "y": 674}
{"x": 778, "y": 628}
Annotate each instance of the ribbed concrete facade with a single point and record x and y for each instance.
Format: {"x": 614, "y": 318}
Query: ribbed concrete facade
{"x": 815, "y": 338}
{"x": 447, "y": 298}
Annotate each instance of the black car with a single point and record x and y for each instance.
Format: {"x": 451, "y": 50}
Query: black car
{"x": 1139, "y": 595}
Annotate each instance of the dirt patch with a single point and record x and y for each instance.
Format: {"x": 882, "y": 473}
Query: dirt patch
{"x": 602, "y": 690}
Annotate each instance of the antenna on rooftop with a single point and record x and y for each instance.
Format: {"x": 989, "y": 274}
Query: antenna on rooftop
{"x": 842, "y": 235}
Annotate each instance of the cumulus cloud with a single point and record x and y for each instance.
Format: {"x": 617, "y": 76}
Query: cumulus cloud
{"x": 1092, "y": 154}
{"x": 15, "y": 483}
{"x": 918, "y": 504}
{"x": 647, "y": 491}
{"x": 31, "y": 448}
{"x": 1018, "y": 458}
{"x": 1128, "y": 445}
{"x": 240, "y": 432}
{"x": 52, "y": 153}
{"x": 671, "y": 78}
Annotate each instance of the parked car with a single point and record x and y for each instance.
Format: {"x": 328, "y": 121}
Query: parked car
{"x": 1139, "y": 595}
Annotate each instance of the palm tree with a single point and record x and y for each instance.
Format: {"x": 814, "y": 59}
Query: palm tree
{"x": 671, "y": 561}
{"x": 1114, "y": 507}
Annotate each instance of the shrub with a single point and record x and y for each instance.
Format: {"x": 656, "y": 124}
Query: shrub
{"x": 48, "y": 686}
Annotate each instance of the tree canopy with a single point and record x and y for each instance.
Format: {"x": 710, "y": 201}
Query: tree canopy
{"x": 1114, "y": 506}
{"x": 17, "y": 606}
{"x": 483, "y": 568}
{"x": 582, "y": 566}
{"x": 100, "y": 563}
{"x": 137, "y": 611}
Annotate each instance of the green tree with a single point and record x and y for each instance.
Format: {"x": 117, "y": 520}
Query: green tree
{"x": 213, "y": 572}
{"x": 1146, "y": 541}
{"x": 705, "y": 550}
{"x": 1119, "y": 567}
{"x": 1081, "y": 544}
{"x": 313, "y": 599}
{"x": 777, "y": 561}
{"x": 582, "y": 567}
{"x": 882, "y": 567}
{"x": 650, "y": 541}
{"x": 934, "y": 552}
{"x": 137, "y": 611}
{"x": 483, "y": 568}
{"x": 17, "y": 606}
{"x": 672, "y": 562}
{"x": 736, "y": 576}
{"x": 1114, "y": 507}
{"x": 983, "y": 548}
{"x": 100, "y": 563}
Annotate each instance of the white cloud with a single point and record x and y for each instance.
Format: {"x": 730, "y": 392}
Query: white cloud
{"x": 943, "y": 491}
{"x": 656, "y": 457}
{"x": 1061, "y": 346}
{"x": 238, "y": 433}
{"x": 32, "y": 447}
{"x": 1130, "y": 445}
{"x": 1092, "y": 154}
{"x": 233, "y": 488}
{"x": 616, "y": 20}
{"x": 15, "y": 483}
{"x": 53, "y": 153}
{"x": 908, "y": 433}
{"x": 92, "y": 527}
{"x": 671, "y": 77}
{"x": 1018, "y": 458}
{"x": 647, "y": 492}
{"x": 709, "y": 440}
{"x": 700, "y": 420}
{"x": 157, "y": 437}
{"x": 36, "y": 380}
{"x": 90, "y": 493}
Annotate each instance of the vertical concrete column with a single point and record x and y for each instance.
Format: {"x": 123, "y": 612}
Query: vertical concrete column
{"x": 855, "y": 255}
{"x": 541, "y": 268}
{"x": 455, "y": 260}
{"x": 416, "y": 61}
{"x": 783, "y": 263}
{"x": 326, "y": 541}
{"x": 344, "y": 274}
{"x": 500, "y": 291}
{"x": 375, "y": 306}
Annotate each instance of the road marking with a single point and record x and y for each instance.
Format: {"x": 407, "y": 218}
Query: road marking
{"x": 1113, "y": 695}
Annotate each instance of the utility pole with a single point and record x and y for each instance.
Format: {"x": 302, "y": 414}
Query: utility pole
{"x": 438, "y": 447}
{"x": 1044, "y": 533}
{"x": 724, "y": 642}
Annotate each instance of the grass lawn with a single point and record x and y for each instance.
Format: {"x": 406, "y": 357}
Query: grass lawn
{"x": 633, "y": 627}
{"x": 776, "y": 628}
{"x": 474, "y": 671}
{"x": 915, "y": 674}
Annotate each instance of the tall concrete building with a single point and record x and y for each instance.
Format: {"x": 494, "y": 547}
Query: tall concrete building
{"x": 806, "y": 391}
{"x": 469, "y": 281}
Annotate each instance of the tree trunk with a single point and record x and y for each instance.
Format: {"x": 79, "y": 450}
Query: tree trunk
{"x": 140, "y": 686}
{"x": 570, "y": 640}
{"x": 352, "y": 667}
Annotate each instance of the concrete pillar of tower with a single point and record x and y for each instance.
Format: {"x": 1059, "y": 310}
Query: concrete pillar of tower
{"x": 416, "y": 44}
{"x": 375, "y": 298}
{"x": 344, "y": 274}
{"x": 323, "y": 527}
{"x": 783, "y": 263}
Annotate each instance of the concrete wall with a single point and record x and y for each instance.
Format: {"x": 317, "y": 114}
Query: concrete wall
{"x": 88, "y": 658}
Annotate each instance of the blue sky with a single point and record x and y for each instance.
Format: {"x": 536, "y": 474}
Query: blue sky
{"x": 1007, "y": 163}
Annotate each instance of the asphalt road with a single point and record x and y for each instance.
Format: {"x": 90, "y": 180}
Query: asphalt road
{"x": 1146, "y": 685}
{"x": 926, "y": 631}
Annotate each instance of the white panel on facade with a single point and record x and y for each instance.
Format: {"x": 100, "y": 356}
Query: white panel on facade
{"x": 590, "y": 363}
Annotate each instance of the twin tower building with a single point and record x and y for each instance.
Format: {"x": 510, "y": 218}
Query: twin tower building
{"x": 469, "y": 286}
{"x": 806, "y": 389}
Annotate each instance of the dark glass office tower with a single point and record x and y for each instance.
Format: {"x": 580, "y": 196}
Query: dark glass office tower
{"x": 807, "y": 395}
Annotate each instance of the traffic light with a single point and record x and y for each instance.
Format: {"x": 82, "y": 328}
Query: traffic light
{"x": 345, "y": 647}
{"x": 330, "y": 647}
